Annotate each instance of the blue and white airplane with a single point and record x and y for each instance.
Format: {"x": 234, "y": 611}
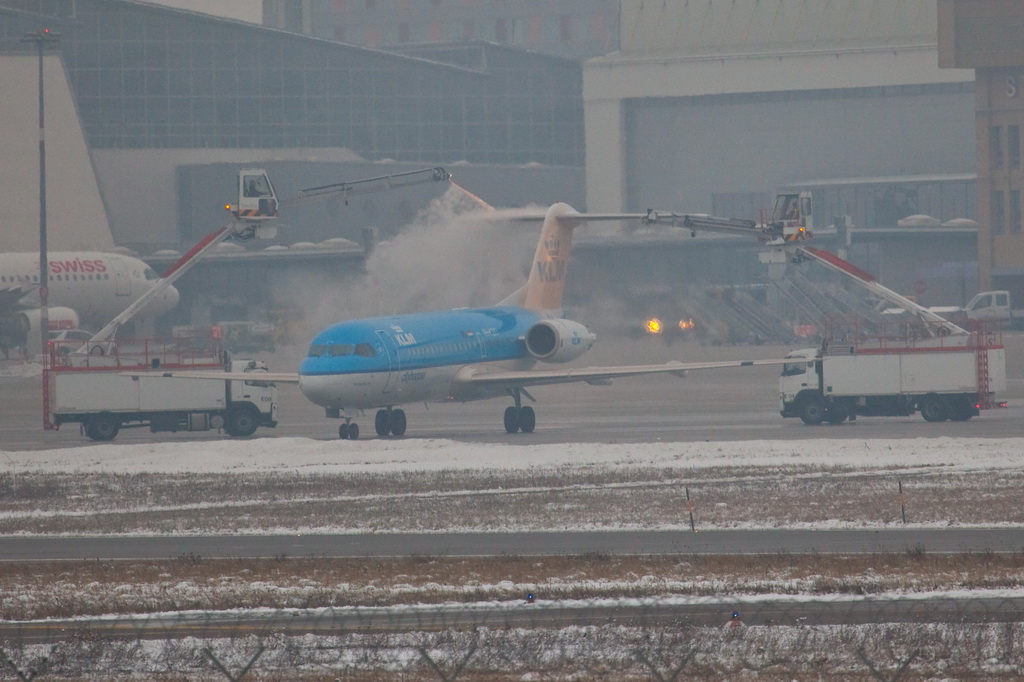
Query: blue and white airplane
{"x": 460, "y": 355}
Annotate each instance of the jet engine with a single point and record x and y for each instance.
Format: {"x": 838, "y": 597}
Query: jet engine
{"x": 558, "y": 340}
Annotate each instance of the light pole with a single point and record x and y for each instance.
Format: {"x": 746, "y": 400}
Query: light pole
{"x": 41, "y": 39}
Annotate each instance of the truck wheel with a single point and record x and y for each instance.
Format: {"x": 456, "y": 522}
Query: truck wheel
{"x": 102, "y": 427}
{"x": 933, "y": 408}
{"x": 812, "y": 411}
{"x": 241, "y": 421}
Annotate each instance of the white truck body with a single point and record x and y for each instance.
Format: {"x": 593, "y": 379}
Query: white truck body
{"x": 942, "y": 382}
{"x": 105, "y": 399}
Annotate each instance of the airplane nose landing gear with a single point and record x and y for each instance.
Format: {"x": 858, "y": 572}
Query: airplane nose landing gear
{"x": 349, "y": 430}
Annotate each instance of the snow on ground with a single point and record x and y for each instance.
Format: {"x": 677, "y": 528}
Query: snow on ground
{"x": 304, "y": 455}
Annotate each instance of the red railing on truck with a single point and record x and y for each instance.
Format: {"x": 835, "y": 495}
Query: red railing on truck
{"x": 123, "y": 356}
{"x": 858, "y": 336}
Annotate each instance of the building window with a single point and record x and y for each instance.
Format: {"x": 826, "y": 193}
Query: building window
{"x": 598, "y": 29}
{"x": 998, "y": 212}
{"x": 995, "y": 147}
{"x": 468, "y": 30}
{"x": 501, "y": 30}
{"x": 534, "y": 30}
{"x": 1013, "y": 145}
{"x": 403, "y": 33}
{"x": 565, "y": 28}
{"x": 1015, "y": 213}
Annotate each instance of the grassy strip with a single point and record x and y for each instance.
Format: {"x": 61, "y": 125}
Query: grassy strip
{"x": 60, "y": 590}
{"x": 498, "y": 500}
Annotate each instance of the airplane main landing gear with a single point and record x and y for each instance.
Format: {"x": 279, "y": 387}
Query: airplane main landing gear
{"x": 519, "y": 418}
{"x": 390, "y": 421}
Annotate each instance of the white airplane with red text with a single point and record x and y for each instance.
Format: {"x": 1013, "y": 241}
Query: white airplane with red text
{"x": 88, "y": 287}
{"x": 382, "y": 363}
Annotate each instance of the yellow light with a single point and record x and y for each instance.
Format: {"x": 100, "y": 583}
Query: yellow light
{"x": 686, "y": 324}
{"x": 654, "y": 325}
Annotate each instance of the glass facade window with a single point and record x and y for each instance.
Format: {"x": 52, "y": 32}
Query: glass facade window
{"x": 1013, "y": 146}
{"x": 147, "y": 77}
{"x": 565, "y": 28}
{"x": 995, "y": 147}
{"x": 998, "y": 212}
{"x": 1015, "y": 211}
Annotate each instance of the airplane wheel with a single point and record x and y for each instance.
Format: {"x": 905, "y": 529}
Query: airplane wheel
{"x": 353, "y": 431}
{"x": 382, "y": 422}
{"x": 398, "y": 422}
{"x": 343, "y": 432}
{"x": 511, "y": 419}
{"x": 527, "y": 419}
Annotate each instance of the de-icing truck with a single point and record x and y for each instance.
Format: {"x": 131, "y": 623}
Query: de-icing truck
{"x": 892, "y": 368}
{"x": 946, "y": 379}
{"x": 125, "y": 387}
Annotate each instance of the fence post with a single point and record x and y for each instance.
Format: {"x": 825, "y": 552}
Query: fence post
{"x": 903, "y": 504}
{"x": 689, "y": 508}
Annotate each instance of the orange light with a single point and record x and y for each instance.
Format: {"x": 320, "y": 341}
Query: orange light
{"x": 654, "y": 325}
{"x": 686, "y": 324}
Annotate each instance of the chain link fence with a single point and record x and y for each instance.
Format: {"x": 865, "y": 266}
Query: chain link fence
{"x": 864, "y": 638}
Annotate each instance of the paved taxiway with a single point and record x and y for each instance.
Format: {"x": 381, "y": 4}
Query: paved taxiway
{"x": 730, "y": 404}
{"x": 555, "y": 543}
{"x": 708, "y": 405}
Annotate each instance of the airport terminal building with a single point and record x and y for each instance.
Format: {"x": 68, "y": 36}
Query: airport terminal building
{"x": 704, "y": 107}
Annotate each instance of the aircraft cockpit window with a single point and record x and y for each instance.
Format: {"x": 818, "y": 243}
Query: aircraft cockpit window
{"x": 337, "y": 350}
{"x": 150, "y": 274}
{"x": 794, "y": 368}
{"x": 365, "y": 350}
{"x": 317, "y": 351}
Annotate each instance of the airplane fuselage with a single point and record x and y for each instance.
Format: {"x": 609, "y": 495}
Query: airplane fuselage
{"x": 379, "y": 362}
{"x": 96, "y": 285}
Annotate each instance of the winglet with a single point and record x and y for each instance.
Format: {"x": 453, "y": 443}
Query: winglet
{"x": 547, "y": 275}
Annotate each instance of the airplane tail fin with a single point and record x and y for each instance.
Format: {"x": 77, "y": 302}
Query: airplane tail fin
{"x": 544, "y": 288}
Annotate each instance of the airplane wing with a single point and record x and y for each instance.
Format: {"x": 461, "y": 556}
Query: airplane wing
{"x": 592, "y": 375}
{"x": 483, "y": 379}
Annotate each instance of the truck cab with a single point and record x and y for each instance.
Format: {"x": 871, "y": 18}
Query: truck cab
{"x": 798, "y": 375}
{"x": 989, "y": 305}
